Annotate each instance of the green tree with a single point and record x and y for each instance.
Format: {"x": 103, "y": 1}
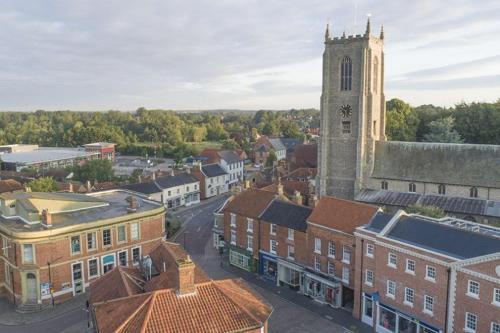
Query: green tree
{"x": 271, "y": 158}
{"x": 442, "y": 130}
{"x": 230, "y": 144}
{"x": 135, "y": 175}
{"x": 478, "y": 122}
{"x": 43, "y": 184}
{"x": 431, "y": 211}
{"x": 100, "y": 170}
{"x": 401, "y": 122}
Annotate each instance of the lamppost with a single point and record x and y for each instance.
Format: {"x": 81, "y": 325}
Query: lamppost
{"x": 50, "y": 281}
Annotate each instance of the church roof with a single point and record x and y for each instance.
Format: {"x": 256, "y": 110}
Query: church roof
{"x": 446, "y": 163}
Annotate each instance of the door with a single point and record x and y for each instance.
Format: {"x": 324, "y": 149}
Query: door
{"x": 31, "y": 290}
{"x": 77, "y": 278}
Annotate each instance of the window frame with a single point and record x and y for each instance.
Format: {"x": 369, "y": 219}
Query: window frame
{"x": 370, "y": 254}
{"x": 346, "y": 274}
{"x": 233, "y": 237}
{"x": 317, "y": 245}
{"x": 250, "y": 243}
{"x": 132, "y": 238}
{"x": 134, "y": 262}
{"x": 293, "y": 252}
{"x": 467, "y": 328}
{"x": 273, "y": 229}
{"x": 427, "y": 276}
{"x": 390, "y": 256}
{"x": 249, "y": 225}
{"x": 494, "y": 329}
{"x": 94, "y": 239}
{"x": 118, "y": 258}
{"x": 110, "y": 238}
{"x": 331, "y": 249}
{"x": 97, "y": 265}
{"x": 74, "y": 253}
{"x": 390, "y": 283}
{"x": 331, "y": 268}
{"x": 273, "y": 244}
{"x": 369, "y": 282}
{"x": 426, "y": 310}
{"x": 317, "y": 264}
{"x": 346, "y": 254}
{"x": 118, "y": 228}
{"x": 407, "y": 268}
{"x": 32, "y": 261}
{"x": 496, "y": 292}
{"x": 233, "y": 220}
{"x": 470, "y": 285}
{"x": 291, "y": 234}
{"x": 409, "y": 298}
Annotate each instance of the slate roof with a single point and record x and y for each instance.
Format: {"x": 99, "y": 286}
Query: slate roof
{"x": 455, "y": 204}
{"x": 213, "y": 170}
{"x": 458, "y": 164}
{"x": 290, "y": 143}
{"x": 277, "y": 144}
{"x": 442, "y": 238}
{"x": 342, "y": 215}
{"x": 379, "y": 221}
{"x": 177, "y": 180}
{"x": 144, "y": 188}
{"x": 230, "y": 156}
{"x": 383, "y": 197}
{"x": 287, "y": 214}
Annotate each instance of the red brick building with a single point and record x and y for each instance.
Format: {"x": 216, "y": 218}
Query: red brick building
{"x": 106, "y": 150}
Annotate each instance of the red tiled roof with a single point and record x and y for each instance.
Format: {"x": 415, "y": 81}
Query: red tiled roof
{"x": 306, "y": 155}
{"x": 302, "y": 173}
{"x": 211, "y": 154}
{"x": 117, "y": 283}
{"x": 10, "y": 185}
{"x": 342, "y": 215}
{"x": 251, "y": 202}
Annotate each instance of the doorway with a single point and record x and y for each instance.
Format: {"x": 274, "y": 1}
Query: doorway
{"x": 31, "y": 289}
{"x": 78, "y": 286}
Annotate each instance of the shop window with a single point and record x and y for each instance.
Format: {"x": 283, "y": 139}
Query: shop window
{"x": 239, "y": 260}
{"x": 387, "y": 319}
{"x": 406, "y": 325}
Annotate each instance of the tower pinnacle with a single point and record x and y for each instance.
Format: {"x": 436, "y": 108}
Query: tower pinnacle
{"x": 367, "y": 33}
{"x": 327, "y": 32}
{"x": 382, "y": 32}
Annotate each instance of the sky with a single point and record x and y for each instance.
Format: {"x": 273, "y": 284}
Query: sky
{"x": 231, "y": 54}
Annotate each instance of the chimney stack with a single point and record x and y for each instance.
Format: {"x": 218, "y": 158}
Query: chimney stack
{"x": 70, "y": 188}
{"x": 89, "y": 187}
{"x": 132, "y": 201}
{"x": 247, "y": 184}
{"x": 46, "y": 218}
{"x": 280, "y": 187}
{"x": 153, "y": 176}
{"x": 297, "y": 197}
{"x": 313, "y": 201}
{"x": 185, "y": 269}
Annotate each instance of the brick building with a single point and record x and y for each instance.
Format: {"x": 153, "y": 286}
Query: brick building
{"x": 167, "y": 292}
{"x": 54, "y": 244}
{"x": 417, "y": 274}
{"x": 214, "y": 180}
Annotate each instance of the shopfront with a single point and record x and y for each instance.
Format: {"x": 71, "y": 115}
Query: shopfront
{"x": 268, "y": 266}
{"x": 323, "y": 289}
{"x": 240, "y": 258}
{"x": 390, "y": 320}
{"x": 290, "y": 274}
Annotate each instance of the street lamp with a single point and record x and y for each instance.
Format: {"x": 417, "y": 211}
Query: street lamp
{"x": 50, "y": 282}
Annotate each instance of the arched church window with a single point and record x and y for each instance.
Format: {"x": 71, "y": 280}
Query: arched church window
{"x": 412, "y": 187}
{"x": 442, "y": 189}
{"x": 375, "y": 74}
{"x": 346, "y": 74}
{"x": 384, "y": 185}
{"x": 473, "y": 192}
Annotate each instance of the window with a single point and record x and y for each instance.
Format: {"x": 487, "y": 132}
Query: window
{"x": 331, "y": 268}
{"x": 272, "y": 229}
{"x": 187, "y": 188}
{"x": 195, "y": 186}
{"x": 410, "y": 266}
{"x": 233, "y": 220}
{"x": 122, "y": 258}
{"x": 345, "y": 274}
{"x": 442, "y": 189}
{"x": 331, "y": 249}
{"x": 346, "y": 254}
{"x": 273, "y": 246}
{"x": 346, "y": 74}
{"x": 5, "y": 247}
{"x": 374, "y": 127}
{"x": 136, "y": 255}
{"x": 391, "y": 289}
{"x": 169, "y": 193}
{"x": 346, "y": 127}
{"x": 430, "y": 273}
{"x": 93, "y": 268}
{"x": 291, "y": 252}
{"x": 317, "y": 245}
{"x": 106, "y": 237}
{"x": 428, "y": 304}
{"x": 392, "y": 260}
{"x": 384, "y": 185}
{"x": 375, "y": 74}
{"x": 134, "y": 231}
{"x": 91, "y": 241}
{"x": 369, "y": 277}
{"x": 121, "y": 234}
{"x": 412, "y": 187}
{"x": 249, "y": 225}
{"x": 75, "y": 245}
{"x": 290, "y": 234}
{"x": 8, "y": 274}
{"x": 473, "y": 192}
{"x": 473, "y": 289}
{"x": 369, "y": 250}
{"x": 28, "y": 253}
{"x": 250, "y": 243}
{"x": 495, "y": 327}
{"x": 409, "y": 294}
{"x": 317, "y": 264}
{"x": 496, "y": 296}
{"x": 233, "y": 237}
{"x": 470, "y": 322}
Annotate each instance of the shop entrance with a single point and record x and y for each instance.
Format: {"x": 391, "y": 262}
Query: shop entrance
{"x": 347, "y": 298}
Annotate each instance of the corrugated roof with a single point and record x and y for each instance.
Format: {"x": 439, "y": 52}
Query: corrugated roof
{"x": 177, "y": 180}
{"x": 287, "y": 214}
{"x": 213, "y": 170}
{"x": 44, "y": 155}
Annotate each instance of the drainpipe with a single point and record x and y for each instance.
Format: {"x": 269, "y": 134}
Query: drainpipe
{"x": 361, "y": 280}
{"x": 448, "y": 271}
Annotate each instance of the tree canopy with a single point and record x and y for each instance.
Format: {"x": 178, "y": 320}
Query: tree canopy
{"x": 43, "y": 184}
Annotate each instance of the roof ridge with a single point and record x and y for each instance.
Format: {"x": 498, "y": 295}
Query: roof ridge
{"x": 122, "y": 276}
{"x": 148, "y": 314}
{"x": 126, "y": 321}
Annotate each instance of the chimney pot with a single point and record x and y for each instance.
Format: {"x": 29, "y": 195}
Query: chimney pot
{"x": 46, "y": 218}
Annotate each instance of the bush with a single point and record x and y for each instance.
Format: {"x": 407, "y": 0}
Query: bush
{"x": 430, "y": 211}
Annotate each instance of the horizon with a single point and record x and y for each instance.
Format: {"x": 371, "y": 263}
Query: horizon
{"x": 98, "y": 57}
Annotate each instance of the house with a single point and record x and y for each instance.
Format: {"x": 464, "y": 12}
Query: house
{"x": 214, "y": 180}
{"x": 169, "y": 293}
{"x": 264, "y": 145}
{"x": 54, "y": 244}
{"x": 229, "y": 160}
{"x": 416, "y": 273}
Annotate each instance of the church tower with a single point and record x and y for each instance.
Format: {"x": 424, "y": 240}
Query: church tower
{"x": 352, "y": 111}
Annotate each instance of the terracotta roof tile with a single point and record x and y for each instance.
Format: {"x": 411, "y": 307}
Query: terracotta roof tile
{"x": 342, "y": 215}
{"x": 250, "y": 202}
{"x": 10, "y": 185}
{"x": 119, "y": 282}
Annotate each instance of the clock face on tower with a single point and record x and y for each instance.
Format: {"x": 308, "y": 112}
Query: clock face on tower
{"x": 345, "y": 110}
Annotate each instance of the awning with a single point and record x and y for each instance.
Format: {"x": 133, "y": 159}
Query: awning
{"x": 290, "y": 265}
{"x": 323, "y": 280}
{"x": 109, "y": 259}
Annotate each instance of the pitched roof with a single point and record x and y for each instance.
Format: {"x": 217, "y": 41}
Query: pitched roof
{"x": 342, "y": 215}
{"x": 145, "y": 188}
{"x": 216, "y": 306}
{"x": 438, "y": 163}
{"x": 230, "y": 156}
{"x": 301, "y": 172}
{"x": 213, "y": 170}
{"x": 379, "y": 221}
{"x": 117, "y": 283}
{"x": 10, "y": 185}
{"x": 250, "y": 202}
{"x": 177, "y": 180}
{"x": 277, "y": 144}
{"x": 306, "y": 155}
{"x": 290, "y": 143}
{"x": 211, "y": 156}
{"x": 384, "y": 197}
{"x": 287, "y": 214}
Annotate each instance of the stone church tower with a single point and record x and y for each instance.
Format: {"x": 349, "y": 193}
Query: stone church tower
{"x": 352, "y": 111}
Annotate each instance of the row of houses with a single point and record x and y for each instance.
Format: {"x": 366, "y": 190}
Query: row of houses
{"x": 396, "y": 272}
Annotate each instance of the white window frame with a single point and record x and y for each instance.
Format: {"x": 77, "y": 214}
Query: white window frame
{"x": 249, "y": 225}
{"x": 470, "y": 293}
{"x": 250, "y": 243}
{"x": 118, "y": 263}
{"x": 124, "y": 228}
{"x": 32, "y": 261}
{"x": 272, "y": 229}
{"x": 495, "y": 327}
{"x": 427, "y": 276}
{"x": 317, "y": 245}
{"x": 233, "y": 220}
{"x": 291, "y": 234}
{"x": 98, "y": 267}
{"x": 271, "y": 243}
{"x": 391, "y": 256}
{"x": 132, "y": 254}
{"x": 346, "y": 254}
{"x": 369, "y": 281}
{"x": 110, "y": 238}
{"x": 408, "y": 268}
{"x": 133, "y": 235}
{"x": 94, "y": 237}
{"x": 317, "y": 264}
{"x": 369, "y": 253}
{"x": 431, "y": 302}
{"x": 388, "y": 289}
{"x": 409, "y": 296}
{"x": 233, "y": 237}
{"x": 467, "y": 328}
{"x": 331, "y": 268}
{"x": 331, "y": 250}
{"x": 496, "y": 292}
{"x": 5, "y": 248}
{"x": 292, "y": 257}
{"x": 71, "y": 245}
{"x": 346, "y": 274}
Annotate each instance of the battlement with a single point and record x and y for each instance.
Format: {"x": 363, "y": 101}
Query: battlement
{"x": 342, "y": 39}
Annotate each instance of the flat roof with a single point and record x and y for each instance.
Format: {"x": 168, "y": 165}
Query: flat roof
{"x": 44, "y": 154}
